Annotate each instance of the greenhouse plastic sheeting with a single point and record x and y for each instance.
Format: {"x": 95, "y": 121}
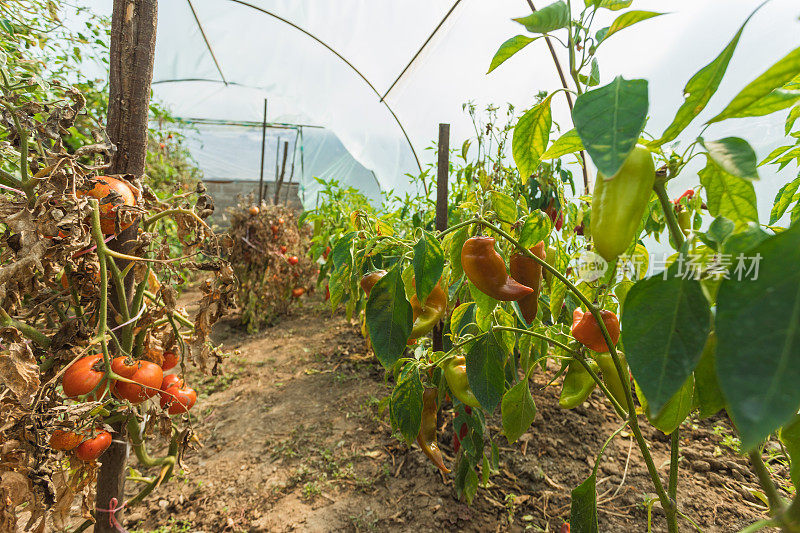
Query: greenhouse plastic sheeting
{"x": 256, "y": 55}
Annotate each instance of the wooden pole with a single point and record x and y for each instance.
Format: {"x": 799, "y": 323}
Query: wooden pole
{"x": 133, "y": 43}
{"x": 263, "y": 144}
{"x": 279, "y": 182}
{"x": 442, "y": 175}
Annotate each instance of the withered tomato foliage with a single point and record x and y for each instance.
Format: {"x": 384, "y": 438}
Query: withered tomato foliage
{"x": 52, "y": 298}
{"x": 270, "y": 255}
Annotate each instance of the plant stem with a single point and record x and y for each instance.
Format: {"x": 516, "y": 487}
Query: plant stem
{"x": 765, "y": 480}
{"x": 674, "y": 448}
{"x": 29, "y": 331}
{"x": 669, "y": 214}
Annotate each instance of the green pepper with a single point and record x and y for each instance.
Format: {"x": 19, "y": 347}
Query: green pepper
{"x": 455, "y": 372}
{"x": 619, "y": 202}
{"x": 611, "y": 377}
{"x": 578, "y": 385}
{"x": 685, "y": 221}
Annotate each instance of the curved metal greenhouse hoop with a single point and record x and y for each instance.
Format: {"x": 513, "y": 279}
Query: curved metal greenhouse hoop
{"x": 340, "y": 56}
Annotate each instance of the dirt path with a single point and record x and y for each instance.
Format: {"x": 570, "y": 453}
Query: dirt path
{"x": 292, "y": 441}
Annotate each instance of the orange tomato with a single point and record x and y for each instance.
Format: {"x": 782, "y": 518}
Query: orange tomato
{"x": 92, "y": 448}
{"x": 82, "y": 377}
{"x": 253, "y": 210}
{"x": 65, "y": 440}
{"x": 147, "y": 374}
{"x": 112, "y": 193}
{"x": 298, "y": 292}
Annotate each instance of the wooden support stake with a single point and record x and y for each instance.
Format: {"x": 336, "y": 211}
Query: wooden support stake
{"x": 283, "y": 171}
{"x": 442, "y": 175}
{"x": 263, "y": 144}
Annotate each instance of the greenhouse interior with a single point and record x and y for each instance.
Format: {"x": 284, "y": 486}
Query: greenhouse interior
{"x": 442, "y": 265}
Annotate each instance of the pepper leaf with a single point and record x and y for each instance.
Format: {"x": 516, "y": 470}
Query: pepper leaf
{"x": 405, "y": 406}
{"x": 629, "y": 18}
{"x": 456, "y": 244}
{"x": 518, "y": 410}
{"x": 774, "y": 77}
{"x": 389, "y": 318}
{"x": 664, "y": 329}
{"x": 485, "y": 370}
{"x": 790, "y": 437}
{"x": 784, "y": 199}
{"x": 508, "y": 49}
{"x": 727, "y": 195}
{"x": 583, "y": 509}
{"x": 612, "y": 5}
{"x": 709, "y": 396}
{"x": 735, "y": 156}
{"x": 674, "y": 411}
{"x": 428, "y": 264}
{"x": 569, "y": 143}
{"x": 549, "y": 18}
{"x": 530, "y": 137}
{"x": 537, "y": 227}
{"x": 700, "y": 88}
{"x": 609, "y": 121}
{"x": 758, "y": 332}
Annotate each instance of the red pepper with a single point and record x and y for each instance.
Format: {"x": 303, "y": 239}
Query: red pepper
{"x": 586, "y": 330}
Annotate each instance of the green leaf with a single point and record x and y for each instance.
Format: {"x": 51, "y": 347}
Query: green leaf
{"x": 537, "y": 227}
{"x": 609, "y": 121}
{"x": 758, "y": 331}
{"x": 773, "y": 78}
{"x": 794, "y": 114}
{"x": 790, "y": 437}
{"x": 775, "y": 101}
{"x": 530, "y": 137}
{"x": 486, "y": 304}
{"x": 340, "y": 254}
{"x": 549, "y": 18}
{"x": 518, "y": 410}
{"x": 674, "y": 411}
{"x": 428, "y": 264}
{"x": 485, "y": 370}
{"x": 735, "y": 156}
{"x": 783, "y": 200}
{"x": 628, "y": 19}
{"x": 504, "y": 206}
{"x": 700, "y": 88}
{"x": 709, "y": 395}
{"x": 389, "y": 318}
{"x": 508, "y": 49}
{"x": 774, "y": 154}
{"x": 720, "y": 229}
{"x": 466, "y": 481}
{"x": 405, "y": 407}
{"x": 727, "y": 195}
{"x": 583, "y": 509}
{"x": 613, "y": 5}
{"x": 463, "y": 316}
{"x": 569, "y": 143}
{"x": 456, "y": 244}
{"x": 664, "y": 329}
{"x": 593, "y": 79}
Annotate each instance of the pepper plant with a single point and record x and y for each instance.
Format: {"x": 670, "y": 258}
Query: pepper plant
{"x": 717, "y": 328}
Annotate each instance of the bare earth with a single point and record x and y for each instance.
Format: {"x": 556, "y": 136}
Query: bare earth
{"x": 292, "y": 441}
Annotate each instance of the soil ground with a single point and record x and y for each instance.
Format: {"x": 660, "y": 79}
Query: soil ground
{"x": 293, "y": 441}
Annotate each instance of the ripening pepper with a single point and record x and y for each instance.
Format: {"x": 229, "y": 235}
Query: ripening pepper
{"x": 684, "y": 220}
{"x": 619, "y": 202}
{"x": 616, "y": 385}
{"x": 427, "y": 431}
{"x": 528, "y": 272}
{"x": 425, "y": 318}
{"x": 487, "y": 271}
{"x": 455, "y": 372}
{"x": 587, "y": 331}
{"x": 369, "y": 280}
{"x": 578, "y": 385}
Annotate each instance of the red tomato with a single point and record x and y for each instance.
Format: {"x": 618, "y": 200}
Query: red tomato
{"x": 280, "y": 221}
{"x": 178, "y": 398}
{"x": 283, "y": 249}
{"x": 162, "y": 145}
{"x": 564, "y": 528}
{"x": 293, "y": 260}
{"x": 170, "y": 361}
{"x": 82, "y": 377}
{"x": 92, "y": 448}
{"x": 298, "y": 292}
{"x": 64, "y": 440}
{"x": 253, "y": 210}
{"x": 274, "y": 228}
{"x": 104, "y": 187}
{"x": 146, "y": 373}
{"x": 327, "y": 293}
{"x": 326, "y": 252}
{"x": 168, "y": 381}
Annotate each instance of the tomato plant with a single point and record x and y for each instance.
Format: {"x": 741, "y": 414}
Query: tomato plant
{"x": 712, "y": 330}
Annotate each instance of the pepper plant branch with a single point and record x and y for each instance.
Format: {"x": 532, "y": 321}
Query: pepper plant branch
{"x": 669, "y": 214}
{"x": 569, "y": 98}
{"x": 674, "y": 448}
{"x": 765, "y": 480}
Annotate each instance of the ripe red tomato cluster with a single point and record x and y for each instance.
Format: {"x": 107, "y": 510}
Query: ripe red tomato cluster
{"x": 85, "y": 376}
{"x": 85, "y": 449}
